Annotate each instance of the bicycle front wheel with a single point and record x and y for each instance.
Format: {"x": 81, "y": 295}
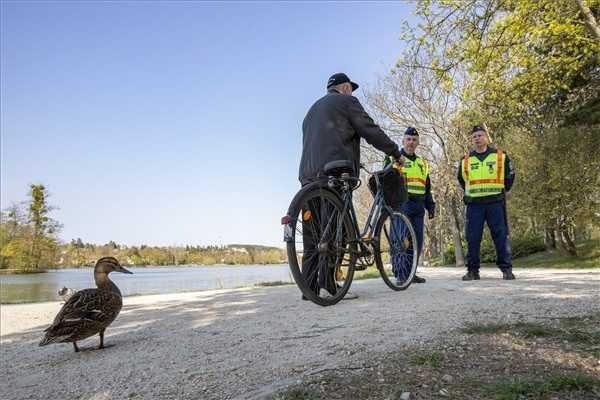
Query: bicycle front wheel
{"x": 396, "y": 250}
{"x": 319, "y": 248}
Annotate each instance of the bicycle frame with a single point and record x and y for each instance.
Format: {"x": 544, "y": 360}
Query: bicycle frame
{"x": 378, "y": 206}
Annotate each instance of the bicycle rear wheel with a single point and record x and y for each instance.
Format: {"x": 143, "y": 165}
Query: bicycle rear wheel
{"x": 319, "y": 245}
{"x": 396, "y": 254}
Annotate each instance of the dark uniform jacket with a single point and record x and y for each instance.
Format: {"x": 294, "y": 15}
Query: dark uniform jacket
{"x": 509, "y": 177}
{"x": 332, "y": 130}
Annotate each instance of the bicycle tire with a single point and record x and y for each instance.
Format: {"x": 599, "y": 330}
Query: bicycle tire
{"x": 402, "y": 247}
{"x": 302, "y": 201}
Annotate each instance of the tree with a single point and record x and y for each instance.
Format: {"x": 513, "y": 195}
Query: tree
{"x": 43, "y": 243}
{"x": 524, "y": 68}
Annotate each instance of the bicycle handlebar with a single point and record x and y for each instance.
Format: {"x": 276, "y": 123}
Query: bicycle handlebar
{"x": 381, "y": 171}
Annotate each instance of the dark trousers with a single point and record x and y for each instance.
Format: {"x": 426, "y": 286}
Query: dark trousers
{"x": 495, "y": 216}
{"x": 402, "y": 261}
{"x": 317, "y": 268}
{"x": 415, "y": 211}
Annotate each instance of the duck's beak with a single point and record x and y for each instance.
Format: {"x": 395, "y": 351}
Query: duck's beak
{"x": 124, "y": 270}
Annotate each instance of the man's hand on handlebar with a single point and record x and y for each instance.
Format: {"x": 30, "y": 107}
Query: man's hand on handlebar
{"x": 398, "y": 163}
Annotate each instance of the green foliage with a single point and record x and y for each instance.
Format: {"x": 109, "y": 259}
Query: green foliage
{"x": 433, "y": 359}
{"x": 74, "y": 255}
{"x": 588, "y": 256}
{"x": 520, "y": 389}
{"x": 28, "y": 239}
{"x": 531, "y": 72}
{"x": 521, "y": 246}
{"x": 29, "y": 243}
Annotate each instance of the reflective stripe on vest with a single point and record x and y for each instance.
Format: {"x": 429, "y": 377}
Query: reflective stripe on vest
{"x": 484, "y": 178}
{"x": 416, "y": 175}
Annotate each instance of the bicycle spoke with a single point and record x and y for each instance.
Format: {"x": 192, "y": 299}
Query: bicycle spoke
{"x": 397, "y": 240}
{"x": 319, "y": 252}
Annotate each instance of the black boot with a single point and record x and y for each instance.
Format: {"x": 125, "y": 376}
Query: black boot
{"x": 418, "y": 279}
{"x": 471, "y": 276}
{"x": 507, "y": 275}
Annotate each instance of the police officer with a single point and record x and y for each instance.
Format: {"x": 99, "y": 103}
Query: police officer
{"x": 486, "y": 174}
{"x": 419, "y": 187}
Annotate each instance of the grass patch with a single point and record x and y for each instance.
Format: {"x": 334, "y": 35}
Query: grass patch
{"x": 485, "y": 329}
{"x": 533, "y": 330}
{"x": 536, "y": 330}
{"x": 520, "y": 388}
{"x": 588, "y": 257}
{"x": 295, "y": 394}
{"x": 433, "y": 359}
{"x": 369, "y": 273}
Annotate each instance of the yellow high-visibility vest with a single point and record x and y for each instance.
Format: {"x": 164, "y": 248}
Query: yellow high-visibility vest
{"x": 416, "y": 175}
{"x": 483, "y": 178}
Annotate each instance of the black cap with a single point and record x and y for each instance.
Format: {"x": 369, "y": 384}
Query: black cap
{"x": 338, "y": 79}
{"x": 411, "y": 131}
{"x": 478, "y": 128}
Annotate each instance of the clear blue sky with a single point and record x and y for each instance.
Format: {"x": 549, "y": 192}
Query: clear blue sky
{"x": 171, "y": 123}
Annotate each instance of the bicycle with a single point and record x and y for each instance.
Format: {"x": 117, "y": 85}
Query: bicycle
{"x": 325, "y": 245}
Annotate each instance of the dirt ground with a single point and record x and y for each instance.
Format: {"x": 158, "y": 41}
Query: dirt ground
{"x": 266, "y": 343}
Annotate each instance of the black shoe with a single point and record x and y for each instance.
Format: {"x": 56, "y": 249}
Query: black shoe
{"x": 418, "y": 279}
{"x": 471, "y": 276}
{"x": 508, "y": 275}
{"x": 304, "y": 298}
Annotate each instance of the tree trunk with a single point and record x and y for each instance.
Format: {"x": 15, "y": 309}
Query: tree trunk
{"x": 567, "y": 242}
{"x": 589, "y": 19}
{"x": 549, "y": 238}
{"x": 455, "y": 226}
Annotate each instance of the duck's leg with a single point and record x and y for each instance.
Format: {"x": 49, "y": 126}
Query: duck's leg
{"x": 101, "y": 340}
{"x": 75, "y": 347}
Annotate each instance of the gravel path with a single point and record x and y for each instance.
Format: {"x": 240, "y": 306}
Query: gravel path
{"x": 246, "y": 343}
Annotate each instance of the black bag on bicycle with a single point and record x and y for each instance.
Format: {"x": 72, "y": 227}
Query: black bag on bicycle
{"x": 394, "y": 189}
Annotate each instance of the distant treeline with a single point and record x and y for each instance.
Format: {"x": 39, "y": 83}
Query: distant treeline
{"x": 78, "y": 253}
{"x": 29, "y": 243}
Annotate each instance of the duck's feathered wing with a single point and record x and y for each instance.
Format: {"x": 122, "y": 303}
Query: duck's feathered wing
{"x": 86, "y": 313}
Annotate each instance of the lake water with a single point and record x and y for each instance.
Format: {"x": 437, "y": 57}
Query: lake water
{"x": 145, "y": 280}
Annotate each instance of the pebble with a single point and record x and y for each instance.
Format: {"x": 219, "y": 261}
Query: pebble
{"x": 405, "y": 396}
{"x": 443, "y": 392}
{"x": 447, "y": 378}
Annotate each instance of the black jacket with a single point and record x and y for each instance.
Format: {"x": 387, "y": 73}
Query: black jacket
{"x": 509, "y": 177}
{"x": 332, "y": 130}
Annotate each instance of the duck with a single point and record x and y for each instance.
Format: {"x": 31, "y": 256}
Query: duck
{"x": 65, "y": 293}
{"x": 89, "y": 311}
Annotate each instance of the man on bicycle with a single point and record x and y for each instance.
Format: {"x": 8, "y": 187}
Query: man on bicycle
{"x": 331, "y": 131}
{"x": 419, "y": 189}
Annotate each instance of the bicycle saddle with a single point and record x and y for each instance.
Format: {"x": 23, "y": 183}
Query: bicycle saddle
{"x": 338, "y": 167}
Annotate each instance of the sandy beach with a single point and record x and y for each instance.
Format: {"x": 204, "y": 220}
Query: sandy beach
{"x": 246, "y": 343}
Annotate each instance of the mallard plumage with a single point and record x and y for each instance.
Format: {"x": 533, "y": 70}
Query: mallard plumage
{"x": 89, "y": 311}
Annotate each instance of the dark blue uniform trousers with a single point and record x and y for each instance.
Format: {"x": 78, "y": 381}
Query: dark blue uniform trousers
{"x": 495, "y": 216}
{"x": 401, "y": 262}
{"x": 415, "y": 211}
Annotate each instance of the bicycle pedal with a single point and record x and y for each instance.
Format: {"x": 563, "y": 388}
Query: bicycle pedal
{"x": 360, "y": 267}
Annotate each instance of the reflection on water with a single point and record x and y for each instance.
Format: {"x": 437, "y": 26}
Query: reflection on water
{"x": 147, "y": 280}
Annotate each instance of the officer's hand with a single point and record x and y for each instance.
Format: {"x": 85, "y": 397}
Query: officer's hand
{"x": 430, "y": 210}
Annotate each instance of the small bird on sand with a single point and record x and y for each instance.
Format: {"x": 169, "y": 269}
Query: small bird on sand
{"x": 88, "y": 311}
